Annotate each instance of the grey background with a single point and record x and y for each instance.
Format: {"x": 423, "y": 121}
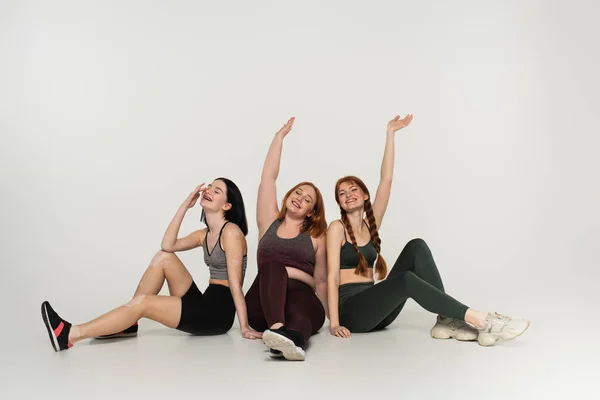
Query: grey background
{"x": 111, "y": 112}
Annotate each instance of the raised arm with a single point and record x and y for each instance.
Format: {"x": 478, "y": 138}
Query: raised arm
{"x": 266, "y": 207}
{"x": 234, "y": 245}
{"x": 170, "y": 242}
{"x": 335, "y": 233}
{"x": 384, "y": 189}
{"x": 320, "y": 273}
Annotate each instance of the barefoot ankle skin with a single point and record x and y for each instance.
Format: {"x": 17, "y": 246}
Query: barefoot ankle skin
{"x": 75, "y": 334}
{"x": 475, "y": 318}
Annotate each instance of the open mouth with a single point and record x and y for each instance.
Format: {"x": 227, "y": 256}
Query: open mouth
{"x": 296, "y": 204}
{"x": 205, "y": 197}
{"x": 351, "y": 201}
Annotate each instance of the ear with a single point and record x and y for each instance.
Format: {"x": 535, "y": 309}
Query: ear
{"x": 366, "y": 197}
{"x": 227, "y": 207}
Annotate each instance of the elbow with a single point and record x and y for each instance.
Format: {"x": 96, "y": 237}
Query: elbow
{"x": 321, "y": 280}
{"x": 167, "y": 248}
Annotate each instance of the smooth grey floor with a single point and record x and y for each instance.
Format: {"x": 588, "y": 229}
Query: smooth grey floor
{"x": 400, "y": 362}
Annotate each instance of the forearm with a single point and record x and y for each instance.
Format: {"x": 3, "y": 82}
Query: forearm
{"x": 322, "y": 295}
{"x": 333, "y": 299}
{"x": 240, "y": 306}
{"x": 170, "y": 237}
{"x": 387, "y": 165}
{"x": 273, "y": 159}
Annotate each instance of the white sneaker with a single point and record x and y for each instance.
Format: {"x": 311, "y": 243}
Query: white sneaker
{"x": 446, "y": 328}
{"x": 500, "y": 327}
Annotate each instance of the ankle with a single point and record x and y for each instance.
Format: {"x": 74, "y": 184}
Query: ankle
{"x": 74, "y": 334}
{"x": 475, "y": 318}
{"x": 276, "y": 325}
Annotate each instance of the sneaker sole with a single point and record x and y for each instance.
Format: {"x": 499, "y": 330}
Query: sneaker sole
{"x": 116, "y": 336}
{"x": 46, "y": 318}
{"x": 445, "y": 334}
{"x": 275, "y": 355}
{"x": 287, "y": 347}
{"x": 456, "y": 335}
{"x": 489, "y": 339}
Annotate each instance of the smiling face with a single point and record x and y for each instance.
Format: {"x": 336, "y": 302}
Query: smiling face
{"x": 300, "y": 201}
{"x": 214, "y": 197}
{"x": 350, "y": 196}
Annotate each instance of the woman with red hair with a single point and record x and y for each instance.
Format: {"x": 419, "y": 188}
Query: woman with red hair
{"x": 291, "y": 261}
{"x": 353, "y": 255}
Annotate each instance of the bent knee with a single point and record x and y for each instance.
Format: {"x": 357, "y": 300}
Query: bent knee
{"x": 160, "y": 257}
{"x": 417, "y": 244}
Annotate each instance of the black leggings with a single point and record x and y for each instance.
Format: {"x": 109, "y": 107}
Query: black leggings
{"x": 211, "y": 313}
{"x": 366, "y": 307}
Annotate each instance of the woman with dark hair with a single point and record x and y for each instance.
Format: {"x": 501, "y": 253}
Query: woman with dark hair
{"x": 291, "y": 261}
{"x": 187, "y": 308}
{"x": 353, "y": 251}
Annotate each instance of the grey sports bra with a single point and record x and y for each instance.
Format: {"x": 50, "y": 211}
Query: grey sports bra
{"x": 216, "y": 260}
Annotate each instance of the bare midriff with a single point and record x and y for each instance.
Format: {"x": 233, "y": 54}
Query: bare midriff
{"x": 348, "y": 276}
{"x": 223, "y": 282}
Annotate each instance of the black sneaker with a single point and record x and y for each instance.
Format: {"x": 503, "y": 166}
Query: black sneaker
{"x": 132, "y": 331}
{"x": 286, "y": 341}
{"x": 58, "y": 328}
{"x": 275, "y": 353}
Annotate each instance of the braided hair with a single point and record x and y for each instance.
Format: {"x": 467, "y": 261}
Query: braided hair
{"x": 362, "y": 268}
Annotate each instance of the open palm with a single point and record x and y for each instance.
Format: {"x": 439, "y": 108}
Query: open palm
{"x": 396, "y": 124}
{"x": 285, "y": 129}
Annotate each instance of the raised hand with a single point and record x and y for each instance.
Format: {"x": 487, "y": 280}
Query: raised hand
{"x": 340, "y": 331}
{"x": 194, "y": 196}
{"x": 285, "y": 129}
{"x": 396, "y": 124}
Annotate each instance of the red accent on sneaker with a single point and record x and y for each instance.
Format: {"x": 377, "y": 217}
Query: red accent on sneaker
{"x": 59, "y": 329}
{"x": 136, "y": 324}
{"x": 69, "y": 345}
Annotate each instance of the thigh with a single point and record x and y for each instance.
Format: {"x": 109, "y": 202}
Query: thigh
{"x": 390, "y": 318}
{"x": 303, "y": 304}
{"x": 256, "y": 317}
{"x": 213, "y": 314}
{"x": 163, "y": 309}
{"x": 416, "y": 257}
{"x": 368, "y": 309}
{"x": 406, "y": 259}
{"x": 178, "y": 277}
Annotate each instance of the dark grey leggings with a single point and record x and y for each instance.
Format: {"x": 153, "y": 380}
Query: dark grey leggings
{"x": 367, "y": 307}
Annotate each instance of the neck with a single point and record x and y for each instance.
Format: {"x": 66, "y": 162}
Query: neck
{"x": 355, "y": 217}
{"x": 214, "y": 220}
{"x": 295, "y": 223}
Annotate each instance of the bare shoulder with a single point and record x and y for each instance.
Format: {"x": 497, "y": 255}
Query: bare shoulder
{"x": 233, "y": 237}
{"x": 336, "y": 226}
{"x": 233, "y": 232}
{"x": 319, "y": 243}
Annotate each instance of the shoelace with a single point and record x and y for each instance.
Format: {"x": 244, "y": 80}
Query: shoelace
{"x": 503, "y": 319}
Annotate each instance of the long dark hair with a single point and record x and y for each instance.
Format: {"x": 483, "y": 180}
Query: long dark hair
{"x": 237, "y": 212}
